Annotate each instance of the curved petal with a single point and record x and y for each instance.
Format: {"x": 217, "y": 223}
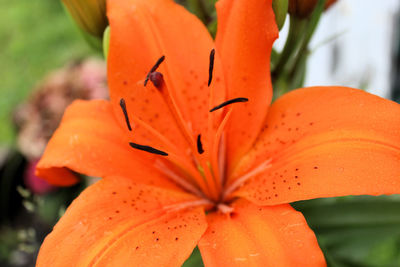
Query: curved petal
{"x": 259, "y": 236}
{"x": 326, "y": 142}
{"x": 246, "y": 32}
{"x": 141, "y": 32}
{"x": 90, "y": 141}
{"x": 116, "y": 222}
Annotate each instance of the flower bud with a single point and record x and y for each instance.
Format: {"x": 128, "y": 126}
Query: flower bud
{"x": 90, "y": 15}
{"x": 303, "y": 8}
{"x": 280, "y": 9}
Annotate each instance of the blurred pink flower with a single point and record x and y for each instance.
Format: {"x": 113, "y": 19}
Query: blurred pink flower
{"x": 40, "y": 115}
{"x": 35, "y": 184}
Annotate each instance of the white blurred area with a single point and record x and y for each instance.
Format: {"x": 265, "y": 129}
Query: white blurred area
{"x": 352, "y": 45}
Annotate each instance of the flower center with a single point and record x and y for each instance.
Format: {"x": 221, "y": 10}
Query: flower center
{"x": 208, "y": 183}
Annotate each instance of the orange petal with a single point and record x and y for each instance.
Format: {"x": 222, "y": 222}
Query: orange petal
{"x": 259, "y": 236}
{"x": 90, "y": 141}
{"x": 116, "y": 222}
{"x": 141, "y": 32}
{"x": 246, "y": 32}
{"x": 325, "y": 142}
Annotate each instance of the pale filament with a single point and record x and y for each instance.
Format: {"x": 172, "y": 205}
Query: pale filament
{"x": 178, "y": 179}
{"x": 189, "y": 204}
{"x": 221, "y": 159}
{"x": 220, "y": 148}
{"x": 241, "y": 180}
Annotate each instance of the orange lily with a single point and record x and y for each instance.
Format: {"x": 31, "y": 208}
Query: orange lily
{"x": 166, "y": 159}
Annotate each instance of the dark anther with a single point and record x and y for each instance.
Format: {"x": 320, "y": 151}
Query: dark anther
{"x": 199, "y": 145}
{"x": 235, "y": 100}
{"x": 123, "y": 107}
{"x": 211, "y": 67}
{"x": 153, "y": 69}
{"x": 156, "y": 78}
{"x": 148, "y": 149}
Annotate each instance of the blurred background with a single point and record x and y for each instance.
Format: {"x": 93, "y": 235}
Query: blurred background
{"x": 46, "y": 63}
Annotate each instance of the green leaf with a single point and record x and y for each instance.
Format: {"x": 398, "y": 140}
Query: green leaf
{"x": 194, "y": 260}
{"x": 356, "y": 231}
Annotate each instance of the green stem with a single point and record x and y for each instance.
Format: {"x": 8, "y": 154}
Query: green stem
{"x": 298, "y": 73}
{"x": 296, "y": 28}
{"x": 310, "y": 29}
{"x": 198, "y": 7}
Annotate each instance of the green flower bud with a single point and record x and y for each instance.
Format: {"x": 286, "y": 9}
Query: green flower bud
{"x": 303, "y": 8}
{"x": 106, "y": 42}
{"x": 90, "y": 15}
{"x": 280, "y": 9}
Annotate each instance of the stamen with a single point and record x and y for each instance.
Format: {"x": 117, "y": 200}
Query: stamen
{"x": 178, "y": 179}
{"x": 235, "y": 100}
{"x": 219, "y": 149}
{"x": 221, "y": 159}
{"x": 199, "y": 145}
{"x": 153, "y": 69}
{"x": 211, "y": 67}
{"x": 148, "y": 149}
{"x": 240, "y": 181}
{"x": 123, "y": 107}
{"x": 156, "y": 78}
{"x": 190, "y": 204}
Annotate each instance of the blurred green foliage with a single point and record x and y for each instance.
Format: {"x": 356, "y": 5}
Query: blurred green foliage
{"x": 356, "y": 230}
{"x": 36, "y": 37}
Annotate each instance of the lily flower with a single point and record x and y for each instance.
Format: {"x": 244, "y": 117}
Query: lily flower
{"x": 193, "y": 153}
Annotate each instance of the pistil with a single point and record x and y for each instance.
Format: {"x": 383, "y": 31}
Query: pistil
{"x": 158, "y": 82}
